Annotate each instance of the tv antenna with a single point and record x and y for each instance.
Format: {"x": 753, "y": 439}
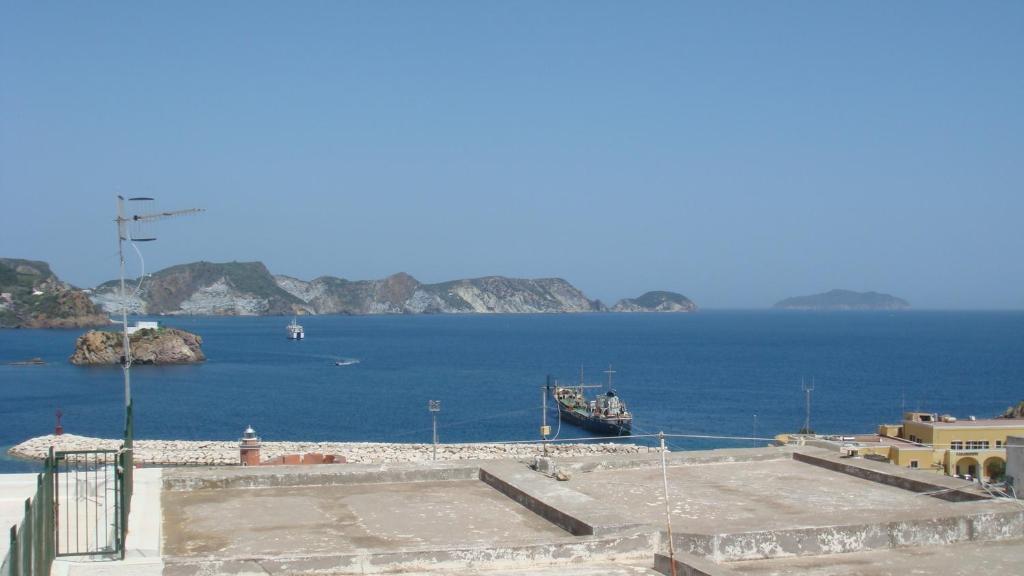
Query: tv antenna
{"x": 807, "y": 388}
{"x": 132, "y": 228}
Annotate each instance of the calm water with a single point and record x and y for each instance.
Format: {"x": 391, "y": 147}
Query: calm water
{"x": 705, "y": 373}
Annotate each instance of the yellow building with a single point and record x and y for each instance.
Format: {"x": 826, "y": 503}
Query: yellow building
{"x": 967, "y": 448}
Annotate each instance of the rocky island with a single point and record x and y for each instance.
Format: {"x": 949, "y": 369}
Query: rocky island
{"x": 32, "y": 296}
{"x": 249, "y": 289}
{"x": 656, "y": 301}
{"x": 844, "y": 300}
{"x": 149, "y": 346}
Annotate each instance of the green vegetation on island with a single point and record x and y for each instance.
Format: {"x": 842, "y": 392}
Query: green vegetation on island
{"x": 32, "y": 296}
{"x": 656, "y": 301}
{"x": 844, "y": 300}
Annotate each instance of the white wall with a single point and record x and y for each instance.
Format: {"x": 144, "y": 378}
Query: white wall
{"x": 1015, "y": 463}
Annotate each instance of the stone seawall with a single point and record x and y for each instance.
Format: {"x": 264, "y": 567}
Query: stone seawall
{"x": 214, "y": 453}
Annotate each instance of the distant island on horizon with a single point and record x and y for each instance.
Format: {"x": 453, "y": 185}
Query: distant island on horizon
{"x": 839, "y": 299}
{"x": 250, "y": 289}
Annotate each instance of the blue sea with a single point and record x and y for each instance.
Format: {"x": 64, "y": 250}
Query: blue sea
{"x": 707, "y": 373}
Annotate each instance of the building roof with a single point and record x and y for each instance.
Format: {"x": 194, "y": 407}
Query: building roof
{"x": 980, "y": 423}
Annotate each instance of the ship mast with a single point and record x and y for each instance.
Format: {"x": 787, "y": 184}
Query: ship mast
{"x": 609, "y": 372}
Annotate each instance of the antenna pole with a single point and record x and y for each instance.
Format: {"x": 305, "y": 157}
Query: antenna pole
{"x": 544, "y": 414}
{"x": 668, "y": 505}
{"x": 123, "y": 235}
{"x": 126, "y": 357}
{"x": 755, "y": 429}
{"x": 807, "y": 393}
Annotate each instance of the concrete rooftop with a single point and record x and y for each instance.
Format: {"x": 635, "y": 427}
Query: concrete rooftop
{"x": 743, "y": 511}
{"x": 311, "y": 520}
{"x": 744, "y": 496}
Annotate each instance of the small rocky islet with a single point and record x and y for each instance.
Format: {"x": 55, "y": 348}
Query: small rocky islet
{"x": 149, "y": 346}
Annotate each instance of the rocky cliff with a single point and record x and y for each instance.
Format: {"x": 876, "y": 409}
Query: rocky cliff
{"x": 32, "y": 296}
{"x": 161, "y": 346}
{"x": 657, "y": 301}
{"x": 206, "y": 288}
{"x": 403, "y": 294}
{"x": 248, "y": 288}
{"x": 844, "y": 300}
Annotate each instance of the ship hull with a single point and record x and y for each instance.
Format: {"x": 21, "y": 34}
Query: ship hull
{"x": 599, "y": 426}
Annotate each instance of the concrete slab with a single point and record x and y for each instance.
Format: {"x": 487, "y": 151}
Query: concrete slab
{"x": 333, "y": 519}
{"x": 586, "y": 569}
{"x": 738, "y": 497}
{"x": 14, "y": 489}
{"x": 966, "y": 559}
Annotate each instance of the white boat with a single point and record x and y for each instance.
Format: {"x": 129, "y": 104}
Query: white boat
{"x": 295, "y": 331}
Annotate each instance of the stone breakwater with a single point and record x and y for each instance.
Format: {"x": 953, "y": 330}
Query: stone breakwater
{"x": 219, "y": 453}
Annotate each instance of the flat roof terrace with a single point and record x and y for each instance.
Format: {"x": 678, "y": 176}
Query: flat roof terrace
{"x": 311, "y": 520}
{"x": 745, "y": 496}
{"x": 772, "y": 506}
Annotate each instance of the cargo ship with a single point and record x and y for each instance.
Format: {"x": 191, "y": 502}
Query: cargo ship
{"x": 605, "y": 415}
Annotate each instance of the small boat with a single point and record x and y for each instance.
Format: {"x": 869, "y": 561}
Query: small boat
{"x": 605, "y": 415}
{"x": 346, "y": 362}
{"x": 295, "y": 331}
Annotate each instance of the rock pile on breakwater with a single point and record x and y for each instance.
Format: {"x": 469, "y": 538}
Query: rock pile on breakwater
{"x": 214, "y": 453}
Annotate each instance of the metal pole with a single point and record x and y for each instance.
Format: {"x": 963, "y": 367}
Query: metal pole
{"x": 434, "y": 406}
{"x": 668, "y": 507}
{"x": 755, "y": 429}
{"x": 544, "y": 416}
{"x": 126, "y": 359}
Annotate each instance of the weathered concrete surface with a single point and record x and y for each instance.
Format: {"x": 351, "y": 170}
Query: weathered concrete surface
{"x": 970, "y": 559}
{"x": 546, "y": 556}
{"x": 583, "y": 514}
{"x": 588, "y": 569}
{"x": 842, "y": 539}
{"x": 439, "y": 518}
{"x": 921, "y": 481}
{"x": 315, "y": 520}
{"x": 742, "y": 497}
{"x": 185, "y": 479}
{"x": 14, "y": 490}
{"x": 652, "y": 459}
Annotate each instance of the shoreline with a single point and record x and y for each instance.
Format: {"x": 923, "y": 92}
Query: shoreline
{"x": 226, "y": 452}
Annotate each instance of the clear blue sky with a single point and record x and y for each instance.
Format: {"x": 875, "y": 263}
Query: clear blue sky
{"x": 738, "y": 153}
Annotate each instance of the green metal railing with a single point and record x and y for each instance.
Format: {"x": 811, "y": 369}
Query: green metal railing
{"x": 33, "y": 541}
{"x": 87, "y": 502}
{"x": 91, "y": 518}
